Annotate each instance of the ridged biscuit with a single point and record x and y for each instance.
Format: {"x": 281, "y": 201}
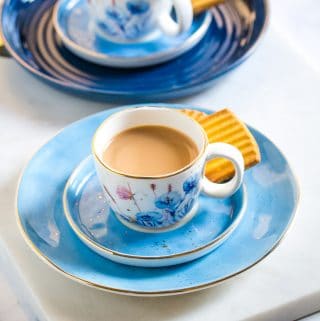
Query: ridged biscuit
{"x": 224, "y": 126}
{"x": 195, "y": 114}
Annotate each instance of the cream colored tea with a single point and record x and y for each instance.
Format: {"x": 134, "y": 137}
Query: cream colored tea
{"x": 150, "y": 151}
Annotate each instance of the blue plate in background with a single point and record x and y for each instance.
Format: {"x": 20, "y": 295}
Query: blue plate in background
{"x": 272, "y": 197}
{"x": 29, "y": 36}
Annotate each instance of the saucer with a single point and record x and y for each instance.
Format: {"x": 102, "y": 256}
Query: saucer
{"x": 71, "y": 22}
{"x": 95, "y": 224}
{"x": 272, "y": 197}
{"x": 29, "y": 36}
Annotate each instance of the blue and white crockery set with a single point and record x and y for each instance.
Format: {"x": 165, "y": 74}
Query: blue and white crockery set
{"x": 135, "y": 33}
{"x": 79, "y": 223}
{"x": 102, "y": 49}
{"x": 147, "y": 236}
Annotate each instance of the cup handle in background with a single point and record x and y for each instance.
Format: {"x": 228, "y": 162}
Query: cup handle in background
{"x": 222, "y": 150}
{"x": 184, "y": 15}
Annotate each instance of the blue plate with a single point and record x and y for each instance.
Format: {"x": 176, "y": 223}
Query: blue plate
{"x": 92, "y": 220}
{"x": 30, "y": 38}
{"x": 272, "y": 199}
{"x": 71, "y": 22}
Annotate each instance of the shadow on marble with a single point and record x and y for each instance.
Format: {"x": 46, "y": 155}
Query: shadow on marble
{"x": 294, "y": 310}
{"x": 92, "y": 303}
{"x": 58, "y": 293}
{"x": 38, "y": 102}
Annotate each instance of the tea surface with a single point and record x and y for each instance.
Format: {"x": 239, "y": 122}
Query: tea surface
{"x": 150, "y": 150}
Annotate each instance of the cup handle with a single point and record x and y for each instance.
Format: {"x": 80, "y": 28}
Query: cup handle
{"x": 217, "y": 150}
{"x": 184, "y": 15}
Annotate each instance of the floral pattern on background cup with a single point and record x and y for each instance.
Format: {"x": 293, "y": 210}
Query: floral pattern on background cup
{"x": 161, "y": 203}
{"x": 133, "y": 20}
{"x": 130, "y": 21}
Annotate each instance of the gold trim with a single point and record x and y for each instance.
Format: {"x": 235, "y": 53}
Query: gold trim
{"x": 86, "y": 239}
{"x": 152, "y": 293}
{"x": 108, "y": 119}
{"x": 46, "y": 260}
{"x": 146, "y": 293}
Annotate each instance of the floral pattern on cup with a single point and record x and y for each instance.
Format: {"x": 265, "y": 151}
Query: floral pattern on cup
{"x": 168, "y": 208}
{"x": 129, "y": 21}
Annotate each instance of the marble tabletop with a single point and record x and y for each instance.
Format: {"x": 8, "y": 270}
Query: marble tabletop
{"x": 277, "y": 90}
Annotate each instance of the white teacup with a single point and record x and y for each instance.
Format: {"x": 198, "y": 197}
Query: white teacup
{"x": 134, "y": 20}
{"x": 161, "y": 203}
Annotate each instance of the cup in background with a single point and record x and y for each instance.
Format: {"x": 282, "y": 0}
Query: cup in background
{"x": 135, "y": 20}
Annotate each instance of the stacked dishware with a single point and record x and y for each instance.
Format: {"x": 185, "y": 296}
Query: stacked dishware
{"x": 131, "y": 50}
{"x": 151, "y": 235}
{"x": 143, "y": 234}
{"x": 128, "y": 34}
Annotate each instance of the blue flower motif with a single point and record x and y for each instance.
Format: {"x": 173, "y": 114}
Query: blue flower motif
{"x": 118, "y": 19}
{"x": 137, "y": 8}
{"x": 169, "y": 212}
{"x": 191, "y": 184}
{"x": 106, "y": 28}
{"x": 149, "y": 219}
{"x": 168, "y": 217}
{"x": 184, "y": 209}
{"x": 125, "y": 217}
{"x": 114, "y": 14}
{"x": 170, "y": 200}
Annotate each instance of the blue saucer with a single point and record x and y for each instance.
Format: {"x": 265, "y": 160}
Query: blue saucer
{"x": 71, "y": 22}
{"x": 236, "y": 27}
{"x": 272, "y": 197}
{"x": 96, "y": 225}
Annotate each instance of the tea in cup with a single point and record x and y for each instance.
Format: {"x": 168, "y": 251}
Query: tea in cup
{"x": 150, "y": 162}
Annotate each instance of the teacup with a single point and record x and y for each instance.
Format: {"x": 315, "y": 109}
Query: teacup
{"x": 161, "y": 203}
{"x": 135, "y": 20}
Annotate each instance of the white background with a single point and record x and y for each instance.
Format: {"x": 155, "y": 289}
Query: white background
{"x": 277, "y": 91}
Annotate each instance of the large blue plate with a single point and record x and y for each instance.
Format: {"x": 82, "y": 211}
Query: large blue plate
{"x": 30, "y": 38}
{"x": 271, "y": 203}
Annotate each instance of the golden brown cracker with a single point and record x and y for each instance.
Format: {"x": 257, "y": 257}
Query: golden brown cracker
{"x": 224, "y": 126}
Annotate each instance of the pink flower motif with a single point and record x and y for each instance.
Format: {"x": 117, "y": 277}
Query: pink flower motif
{"x": 124, "y": 193}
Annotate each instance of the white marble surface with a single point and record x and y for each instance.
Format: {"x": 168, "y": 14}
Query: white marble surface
{"x": 17, "y": 302}
{"x": 278, "y": 91}
{"x": 10, "y": 308}
{"x": 313, "y": 317}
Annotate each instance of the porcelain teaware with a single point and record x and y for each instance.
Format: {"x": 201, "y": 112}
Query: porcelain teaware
{"x": 161, "y": 203}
